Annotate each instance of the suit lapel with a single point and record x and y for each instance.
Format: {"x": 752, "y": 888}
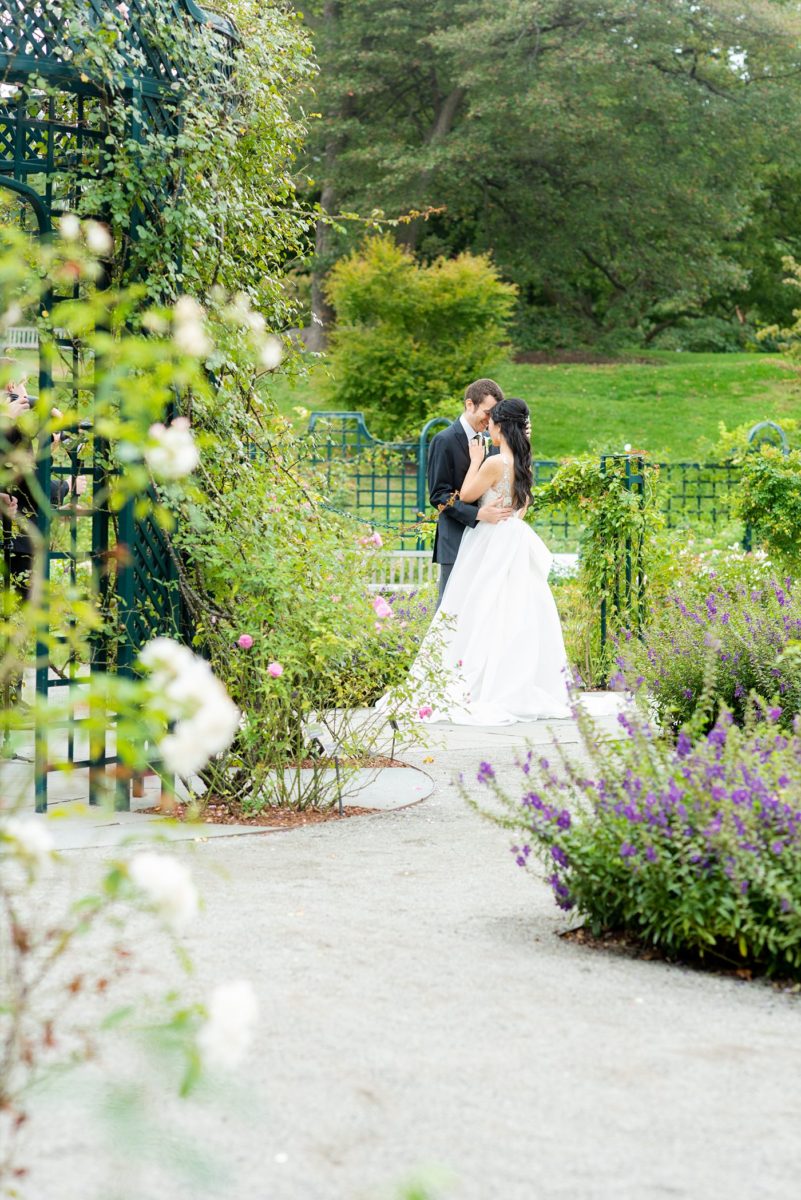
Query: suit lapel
{"x": 461, "y": 441}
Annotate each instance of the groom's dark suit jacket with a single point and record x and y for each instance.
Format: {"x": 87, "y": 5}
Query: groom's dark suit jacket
{"x": 448, "y": 463}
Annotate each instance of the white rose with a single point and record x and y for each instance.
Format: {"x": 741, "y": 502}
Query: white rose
{"x": 69, "y": 227}
{"x": 189, "y": 333}
{"x": 182, "y": 752}
{"x": 173, "y": 454}
{"x": 168, "y": 887}
{"x": 32, "y": 840}
{"x": 98, "y": 238}
{"x": 232, "y": 1010}
{"x": 206, "y": 719}
{"x": 271, "y": 353}
{"x": 216, "y": 720}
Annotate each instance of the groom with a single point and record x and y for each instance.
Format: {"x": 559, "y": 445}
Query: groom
{"x": 448, "y": 463}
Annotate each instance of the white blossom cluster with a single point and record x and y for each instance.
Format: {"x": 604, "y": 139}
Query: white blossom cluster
{"x": 270, "y": 348}
{"x": 224, "y": 1037}
{"x": 189, "y": 328}
{"x": 96, "y": 235}
{"x": 231, "y": 1010}
{"x": 173, "y": 452}
{"x": 30, "y": 841}
{"x": 167, "y": 886}
{"x": 204, "y": 717}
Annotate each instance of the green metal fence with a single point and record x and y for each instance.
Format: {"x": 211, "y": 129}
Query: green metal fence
{"x": 384, "y": 484}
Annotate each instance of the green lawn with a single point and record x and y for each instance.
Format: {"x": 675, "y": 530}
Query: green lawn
{"x": 667, "y": 405}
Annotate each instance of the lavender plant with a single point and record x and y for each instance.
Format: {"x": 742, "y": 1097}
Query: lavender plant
{"x": 694, "y": 848}
{"x": 739, "y": 632}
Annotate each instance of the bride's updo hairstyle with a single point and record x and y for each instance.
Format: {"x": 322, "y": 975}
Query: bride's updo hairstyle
{"x": 511, "y": 417}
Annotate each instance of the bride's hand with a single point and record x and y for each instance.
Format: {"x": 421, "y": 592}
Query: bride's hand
{"x": 476, "y": 453}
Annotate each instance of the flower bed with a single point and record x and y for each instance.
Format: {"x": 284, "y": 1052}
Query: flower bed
{"x": 714, "y": 643}
{"x": 693, "y": 848}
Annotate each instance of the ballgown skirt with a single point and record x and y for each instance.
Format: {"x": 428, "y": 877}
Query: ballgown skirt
{"x": 494, "y": 653}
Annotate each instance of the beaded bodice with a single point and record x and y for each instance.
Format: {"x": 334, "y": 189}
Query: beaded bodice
{"x": 501, "y": 492}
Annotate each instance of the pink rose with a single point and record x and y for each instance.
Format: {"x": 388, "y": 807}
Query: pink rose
{"x": 376, "y": 540}
{"x": 381, "y": 608}
{"x": 275, "y": 669}
{"x": 245, "y": 641}
{"x": 424, "y": 712}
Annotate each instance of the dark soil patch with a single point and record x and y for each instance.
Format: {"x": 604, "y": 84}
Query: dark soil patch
{"x": 215, "y": 812}
{"x": 626, "y": 945}
{"x": 274, "y": 818}
{"x": 588, "y": 358}
{"x": 368, "y": 764}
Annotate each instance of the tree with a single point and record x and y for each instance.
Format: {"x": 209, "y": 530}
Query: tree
{"x": 609, "y": 157}
{"x": 408, "y": 338}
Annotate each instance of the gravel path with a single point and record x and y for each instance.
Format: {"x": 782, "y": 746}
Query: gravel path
{"x": 420, "y": 1015}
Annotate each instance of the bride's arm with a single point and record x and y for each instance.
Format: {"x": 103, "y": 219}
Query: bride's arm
{"x": 480, "y": 476}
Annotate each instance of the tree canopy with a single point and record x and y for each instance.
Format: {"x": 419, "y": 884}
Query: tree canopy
{"x": 616, "y": 160}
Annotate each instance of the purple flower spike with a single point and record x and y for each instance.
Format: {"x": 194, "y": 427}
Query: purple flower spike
{"x": 485, "y": 773}
{"x": 558, "y": 855}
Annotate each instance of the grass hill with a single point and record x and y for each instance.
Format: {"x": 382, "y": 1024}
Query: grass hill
{"x": 667, "y": 402}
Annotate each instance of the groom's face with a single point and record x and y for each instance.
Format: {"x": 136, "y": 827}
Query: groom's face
{"x": 478, "y": 414}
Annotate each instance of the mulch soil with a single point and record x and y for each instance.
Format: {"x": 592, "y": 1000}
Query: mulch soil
{"x": 627, "y": 946}
{"x": 218, "y": 813}
{"x": 272, "y": 817}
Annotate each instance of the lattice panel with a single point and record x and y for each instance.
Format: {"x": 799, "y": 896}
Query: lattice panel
{"x": 155, "y": 586}
{"x": 32, "y": 32}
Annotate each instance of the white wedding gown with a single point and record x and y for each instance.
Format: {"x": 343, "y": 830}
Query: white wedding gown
{"x": 495, "y": 646}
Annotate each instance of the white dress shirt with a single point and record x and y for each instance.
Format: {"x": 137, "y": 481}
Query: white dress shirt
{"x": 468, "y": 428}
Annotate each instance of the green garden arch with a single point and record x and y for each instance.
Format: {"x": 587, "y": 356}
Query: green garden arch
{"x": 52, "y": 137}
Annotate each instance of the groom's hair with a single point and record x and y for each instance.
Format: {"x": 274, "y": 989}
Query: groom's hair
{"x": 475, "y": 392}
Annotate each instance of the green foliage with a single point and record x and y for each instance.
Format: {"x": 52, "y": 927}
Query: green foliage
{"x": 706, "y": 335}
{"x": 619, "y": 526}
{"x": 723, "y": 633}
{"x": 615, "y": 166}
{"x": 768, "y": 499}
{"x": 581, "y": 628}
{"x": 267, "y": 559}
{"x": 208, "y": 199}
{"x": 693, "y": 848}
{"x": 410, "y": 338}
{"x": 125, "y": 383}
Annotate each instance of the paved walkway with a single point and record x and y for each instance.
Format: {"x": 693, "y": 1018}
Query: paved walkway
{"x": 420, "y": 1012}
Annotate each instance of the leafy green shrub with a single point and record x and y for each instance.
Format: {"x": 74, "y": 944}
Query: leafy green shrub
{"x": 769, "y": 501}
{"x": 706, "y": 335}
{"x": 693, "y": 848}
{"x": 619, "y": 528}
{"x": 281, "y": 604}
{"x": 409, "y": 338}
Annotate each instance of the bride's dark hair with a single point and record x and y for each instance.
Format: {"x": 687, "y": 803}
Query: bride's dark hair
{"x": 511, "y": 416}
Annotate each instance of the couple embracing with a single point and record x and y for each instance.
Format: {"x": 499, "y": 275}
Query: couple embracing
{"x": 500, "y": 655}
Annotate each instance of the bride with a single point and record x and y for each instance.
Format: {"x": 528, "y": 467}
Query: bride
{"x": 500, "y": 656}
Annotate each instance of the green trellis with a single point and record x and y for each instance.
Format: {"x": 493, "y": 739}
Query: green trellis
{"x": 384, "y": 483}
{"x": 53, "y": 126}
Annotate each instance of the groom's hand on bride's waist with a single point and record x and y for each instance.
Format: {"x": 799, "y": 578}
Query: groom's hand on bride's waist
{"x": 494, "y": 513}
